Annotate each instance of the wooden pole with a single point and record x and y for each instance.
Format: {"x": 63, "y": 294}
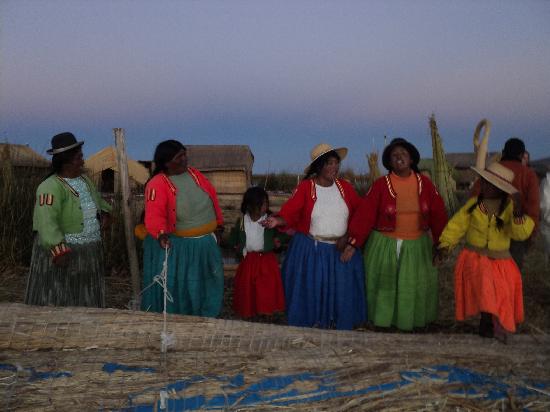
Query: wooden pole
{"x": 122, "y": 162}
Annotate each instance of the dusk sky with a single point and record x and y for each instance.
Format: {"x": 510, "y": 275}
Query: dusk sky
{"x": 279, "y": 76}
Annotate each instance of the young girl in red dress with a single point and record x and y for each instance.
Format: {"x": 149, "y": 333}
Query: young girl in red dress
{"x": 258, "y": 288}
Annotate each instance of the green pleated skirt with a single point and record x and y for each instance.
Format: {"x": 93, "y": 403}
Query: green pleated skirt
{"x": 80, "y": 283}
{"x": 195, "y": 276}
{"x": 403, "y": 291}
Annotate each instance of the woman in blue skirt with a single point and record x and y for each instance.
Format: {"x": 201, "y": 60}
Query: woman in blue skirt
{"x": 321, "y": 290}
{"x": 182, "y": 216}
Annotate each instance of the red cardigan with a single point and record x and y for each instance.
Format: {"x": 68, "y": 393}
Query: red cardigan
{"x": 378, "y": 210}
{"x": 297, "y": 210}
{"x": 160, "y": 202}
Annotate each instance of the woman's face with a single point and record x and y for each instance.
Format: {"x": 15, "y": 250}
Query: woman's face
{"x": 400, "y": 160}
{"x": 488, "y": 190}
{"x": 264, "y": 207}
{"x": 178, "y": 164}
{"x": 330, "y": 169}
{"x": 76, "y": 164}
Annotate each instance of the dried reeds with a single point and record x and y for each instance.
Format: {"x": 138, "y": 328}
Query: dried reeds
{"x": 374, "y": 171}
{"x": 67, "y": 358}
{"x": 442, "y": 170}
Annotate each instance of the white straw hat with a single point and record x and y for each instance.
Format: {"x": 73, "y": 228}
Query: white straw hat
{"x": 324, "y": 148}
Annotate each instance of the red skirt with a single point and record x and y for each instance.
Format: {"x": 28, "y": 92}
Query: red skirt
{"x": 488, "y": 285}
{"x": 258, "y": 288}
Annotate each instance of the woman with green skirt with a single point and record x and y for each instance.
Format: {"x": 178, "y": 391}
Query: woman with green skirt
{"x": 182, "y": 218}
{"x": 396, "y": 216}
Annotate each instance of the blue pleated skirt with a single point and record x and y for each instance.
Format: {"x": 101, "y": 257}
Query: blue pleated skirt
{"x": 320, "y": 290}
{"x": 195, "y": 276}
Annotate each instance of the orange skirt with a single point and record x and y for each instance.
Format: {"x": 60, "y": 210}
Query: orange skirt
{"x": 488, "y": 285}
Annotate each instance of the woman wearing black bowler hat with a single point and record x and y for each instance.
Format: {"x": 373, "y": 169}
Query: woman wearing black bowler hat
{"x": 67, "y": 260}
{"x": 396, "y": 215}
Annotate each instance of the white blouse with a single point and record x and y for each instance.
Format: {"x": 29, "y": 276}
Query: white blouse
{"x": 254, "y": 234}
{"x": 330, "y": 213}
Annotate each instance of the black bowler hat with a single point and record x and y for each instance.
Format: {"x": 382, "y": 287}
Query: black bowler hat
{"x": 409, "y": 147}
{"x": 62, "y": 142}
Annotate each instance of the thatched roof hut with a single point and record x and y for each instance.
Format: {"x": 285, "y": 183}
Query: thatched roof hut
{"x": 102, "y": 167}
{"x": 21, "y": 155}
{"x": 228, "y": 167}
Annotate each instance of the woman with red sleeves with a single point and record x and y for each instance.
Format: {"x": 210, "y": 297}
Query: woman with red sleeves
{"x": 321, "y": 290}
{"x": 182, "y": 215}
{"x": 396, "y": 215}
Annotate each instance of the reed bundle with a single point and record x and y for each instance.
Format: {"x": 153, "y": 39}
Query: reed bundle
{"x": 442, "y": 171}
{"x": 57, "y": 359}
{"x": 374, "y": 171}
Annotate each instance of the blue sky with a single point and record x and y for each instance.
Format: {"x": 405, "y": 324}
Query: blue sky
{"x": 279, "y": 76}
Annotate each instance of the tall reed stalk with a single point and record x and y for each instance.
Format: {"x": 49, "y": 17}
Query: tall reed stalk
{"x": 443, "y": 171}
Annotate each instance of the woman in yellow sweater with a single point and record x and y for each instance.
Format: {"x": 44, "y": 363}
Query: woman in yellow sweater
{"x": 487, "y": 280}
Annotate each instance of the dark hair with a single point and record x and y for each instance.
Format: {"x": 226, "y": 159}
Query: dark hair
{"x": 165, "y": 152}
{"x": 253, "y": 199}
{"x": 316, "y": 167}
{"x": 513, "y": 149}
{"x": 409, "y": 147}
{"x": 503, "y": 203}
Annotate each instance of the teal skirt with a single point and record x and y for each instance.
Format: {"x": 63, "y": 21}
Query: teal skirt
{"x": 195, "y": 276}
{"x": 403, "y": 291}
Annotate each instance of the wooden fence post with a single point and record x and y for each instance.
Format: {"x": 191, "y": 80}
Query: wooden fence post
{"x": 122, "y": 162}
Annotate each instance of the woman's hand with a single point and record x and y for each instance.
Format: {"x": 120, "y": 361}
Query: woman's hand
{"x": 164, "y": 241}
{"x": 219, "y": 233}
{"x": 272, "y": 221}
{"x": 62, "y": 260}
{"x": 105, "y": 221}
{"x": 439, "y": 255}
{"x": 347, "y": 254}
{"x": 341, "y": 243}
{"x": 516, "y": 200}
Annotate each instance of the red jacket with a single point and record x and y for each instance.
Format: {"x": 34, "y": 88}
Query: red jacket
{"x": 378, "y": 210}
{"x": 160, "y": 202}
{"x": 297, "y": 210}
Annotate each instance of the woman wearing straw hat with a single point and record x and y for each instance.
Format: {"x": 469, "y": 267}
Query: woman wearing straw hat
{"x": 395, "y": 216}
{"x": 320, "y": 289}
{"x": 67, "y": 260}
{"x": 182, "y": 214}
{"x": 487, "y": 280}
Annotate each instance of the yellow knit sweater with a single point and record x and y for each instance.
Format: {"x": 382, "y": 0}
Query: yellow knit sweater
{"x": 480, "y": 228}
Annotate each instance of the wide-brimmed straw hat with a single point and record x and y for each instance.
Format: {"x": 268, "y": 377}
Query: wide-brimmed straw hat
{"x": 324, "y": 148}
{"x": 498, "y": 175}
{"x": 495, "y": 173}
{"x": 62, "y": 142}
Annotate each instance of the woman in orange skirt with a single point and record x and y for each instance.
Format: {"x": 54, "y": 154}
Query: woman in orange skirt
{"x": 258, "y": 288}
{"x": 487, "y": 280}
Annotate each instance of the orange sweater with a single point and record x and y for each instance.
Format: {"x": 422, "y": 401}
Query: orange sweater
{"x": 407, "y": 222}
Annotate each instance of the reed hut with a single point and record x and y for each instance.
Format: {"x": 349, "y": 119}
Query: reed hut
{"x": 102, "y": 168}
{"x": 22, "y": 156}
{"x": 228, "y": 167}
